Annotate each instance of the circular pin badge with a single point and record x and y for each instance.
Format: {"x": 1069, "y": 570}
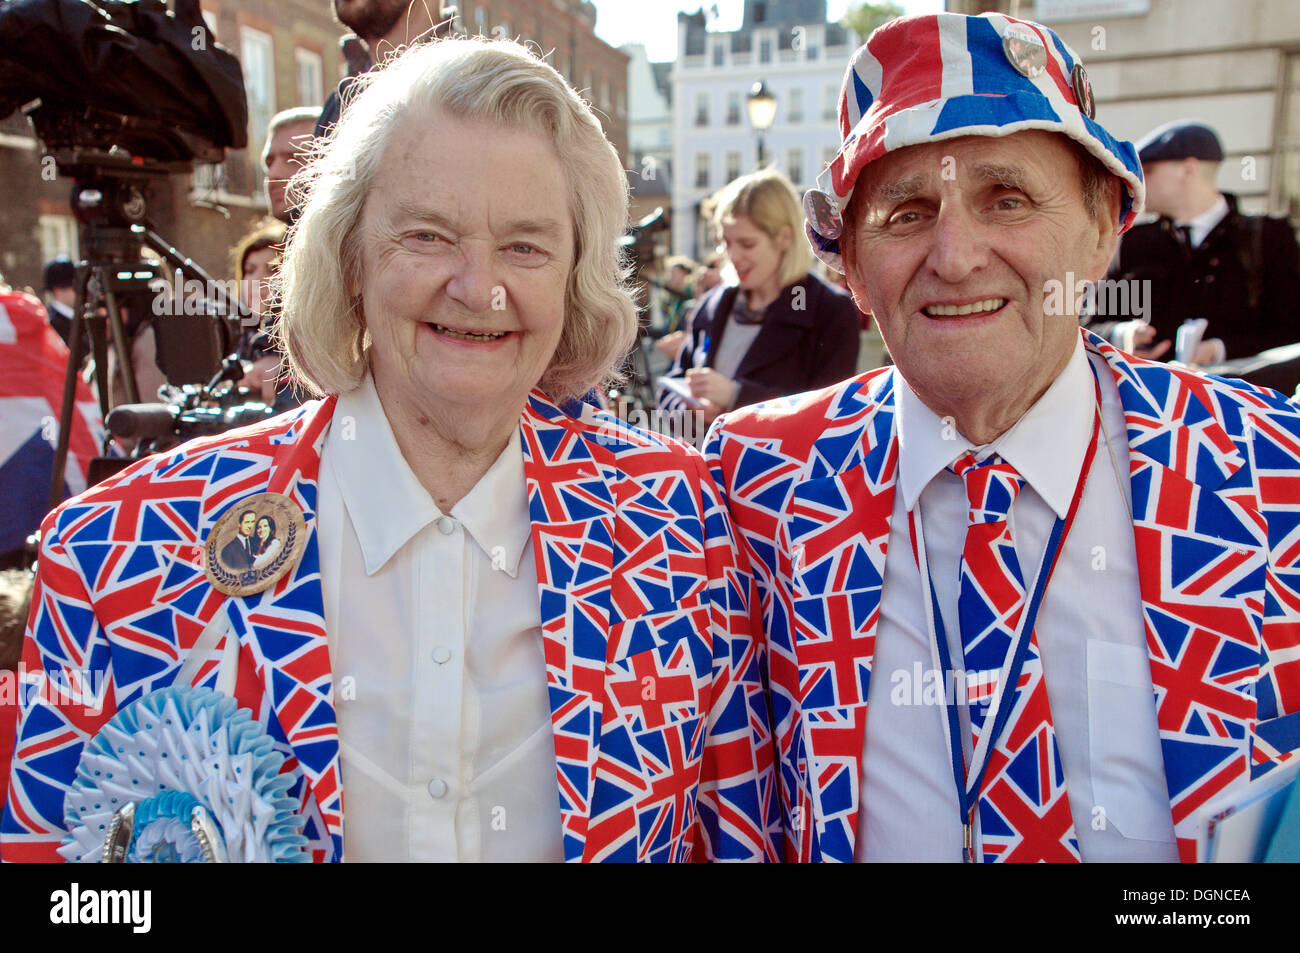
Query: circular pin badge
{"x": 1024, "y": 50}
{"x": 1083, "y": 91}
{"x": 255, "y": 544}
{"x": 823, "y": 212}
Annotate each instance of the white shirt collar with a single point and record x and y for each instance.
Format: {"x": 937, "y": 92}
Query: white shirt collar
{"x": 388, "y": 505}
{"x": 1203, "y": 224}
{"x": 60, "y": 308}
{"x": 1046, "y": 445}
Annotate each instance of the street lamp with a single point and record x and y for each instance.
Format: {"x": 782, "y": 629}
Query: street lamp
{"x": 762, "y": 110}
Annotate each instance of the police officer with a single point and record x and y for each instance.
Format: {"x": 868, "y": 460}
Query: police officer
{"x": 1204, "y": 258}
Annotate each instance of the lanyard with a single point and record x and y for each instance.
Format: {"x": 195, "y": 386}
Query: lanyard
{"x": 968, "y": 785}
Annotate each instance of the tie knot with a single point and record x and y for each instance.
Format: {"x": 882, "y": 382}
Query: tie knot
{"x": 992, "y": 485}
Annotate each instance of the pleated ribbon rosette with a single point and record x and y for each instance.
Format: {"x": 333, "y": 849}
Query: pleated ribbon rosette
{"x": 171, "y": 753}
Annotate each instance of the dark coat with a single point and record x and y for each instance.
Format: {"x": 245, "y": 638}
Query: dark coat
{"x": 797, "y": 349}
{"x": 1244, "y": 279}
{"x": 235, "y": 554}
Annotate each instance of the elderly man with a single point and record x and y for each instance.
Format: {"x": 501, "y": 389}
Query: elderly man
{"x": 508, "y": 632}
{"x": 1026, "y": 598}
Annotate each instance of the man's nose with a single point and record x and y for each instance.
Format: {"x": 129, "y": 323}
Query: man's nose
{"x": 475, "y": 282}
{"x": 959, "y": 246}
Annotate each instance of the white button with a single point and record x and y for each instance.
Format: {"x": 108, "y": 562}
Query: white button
{"x": 446, "y": 526}
{"x": 437, "y": 788}
{"x": 441, "y": 654}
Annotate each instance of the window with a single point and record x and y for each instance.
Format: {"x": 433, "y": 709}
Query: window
{"x": 795, "y": 110}
{"x": 58, "y": 236}
{"x": 310, "y": 83}
{"x": 760, "y": 11}
{"x": 733, "y": 165}
{"x": 701, "y": 109}
{"x": 257, "y": 57}
{"x": 814, "y": 52}
{"x": 830, "y": 102}
{"x": 765, "y": 50}
{"x": 701, "y": 170}
{"x": 733, "y": 108}
{"x": 828, "y": 155}
{"x": 718, "y": 52}
{"x": 480, "y": 20}
{"x": 620, "y": 107}
{"x": 794, "y": 165}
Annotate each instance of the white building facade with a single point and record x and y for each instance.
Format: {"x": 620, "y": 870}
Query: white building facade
{"x": 801, "y": 58}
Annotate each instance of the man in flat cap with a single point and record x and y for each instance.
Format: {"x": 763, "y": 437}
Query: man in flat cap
{"x": 1026, "y": 597}
{"x": 1204, "y": 258}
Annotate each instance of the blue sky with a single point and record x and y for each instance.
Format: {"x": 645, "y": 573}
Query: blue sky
{"x": 654, "y": 22}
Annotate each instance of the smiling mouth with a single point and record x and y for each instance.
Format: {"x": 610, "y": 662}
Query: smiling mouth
{"x": 960, "y": 310}
{"x": 467, "y": 335}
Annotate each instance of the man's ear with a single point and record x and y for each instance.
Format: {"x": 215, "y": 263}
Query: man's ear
{"x": 1106, "y": 223}
{"x": 848, "y": 255}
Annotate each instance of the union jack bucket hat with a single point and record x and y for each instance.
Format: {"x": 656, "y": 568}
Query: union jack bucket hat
{"x": 927, "y": 78}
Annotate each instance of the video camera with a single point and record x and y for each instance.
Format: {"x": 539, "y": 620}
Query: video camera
{"x": 121, "y": 93}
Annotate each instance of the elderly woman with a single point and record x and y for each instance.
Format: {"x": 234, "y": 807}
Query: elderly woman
{"x": 781, "y": 329}
{"x": 508, "y": 633}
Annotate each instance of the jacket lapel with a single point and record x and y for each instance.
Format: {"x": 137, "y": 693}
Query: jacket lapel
{"x": 1202, "y": 559}
{"x": 285, "y": 655}
{"x": 837, "y": 532}
{"x": 572, "y": 515}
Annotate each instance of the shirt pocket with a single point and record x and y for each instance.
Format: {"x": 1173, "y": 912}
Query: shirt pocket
{"x": 1125, "y": 760}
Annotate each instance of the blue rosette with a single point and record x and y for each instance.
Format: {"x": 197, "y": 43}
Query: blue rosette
{"x": 182, "y": 775}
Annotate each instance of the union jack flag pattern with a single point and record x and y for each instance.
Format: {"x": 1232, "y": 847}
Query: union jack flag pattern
{"x": 1214, "y": 470}
{"x": 1024, "y": 810}
{"x": 637, "y": 580}
{"x": 34, "y": 359}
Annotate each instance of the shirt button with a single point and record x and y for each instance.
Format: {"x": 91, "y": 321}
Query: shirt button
{"x": 446, "y": 526}
{"x": 437, "y": 788}
{"x": 441, "y": 654}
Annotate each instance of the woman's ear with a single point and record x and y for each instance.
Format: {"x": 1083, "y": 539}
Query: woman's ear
{"x": 784, "y": 238}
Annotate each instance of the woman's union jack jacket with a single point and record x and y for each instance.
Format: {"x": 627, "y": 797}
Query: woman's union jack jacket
{"x": 637, "y": 578}
{"x": 1214, "y": 471}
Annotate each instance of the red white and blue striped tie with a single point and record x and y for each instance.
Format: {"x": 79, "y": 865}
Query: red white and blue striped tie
{"x": 1023, "y": 808}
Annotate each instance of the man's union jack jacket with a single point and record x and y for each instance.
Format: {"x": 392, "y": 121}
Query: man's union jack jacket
{"x": 637, "y": 577}
{"x": 1214, "y": 470}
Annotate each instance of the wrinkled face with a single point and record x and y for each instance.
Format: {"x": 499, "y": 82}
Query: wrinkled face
{"x": 246, "y": 524}
{"x": 283, "y": 160}
{"x": 953, "y": 247}
{"x": 754, "y": 254}
{"x": 255, "y": 290}
{"x": 467, "y": 245}
{"x": 371, "y": 19}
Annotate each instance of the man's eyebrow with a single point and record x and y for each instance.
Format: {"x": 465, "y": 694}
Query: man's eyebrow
{"x": 899, "y": 190}
{"x": 1008, "y": 175}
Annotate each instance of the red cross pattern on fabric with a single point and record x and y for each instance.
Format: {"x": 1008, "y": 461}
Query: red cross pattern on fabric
{"x": 1022, "y": 820}
{"x": 649, "y": 689}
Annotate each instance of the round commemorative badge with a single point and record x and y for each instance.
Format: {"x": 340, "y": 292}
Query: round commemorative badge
{"x": 1024, "y": 50}
{"x": 255, "y": 544}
